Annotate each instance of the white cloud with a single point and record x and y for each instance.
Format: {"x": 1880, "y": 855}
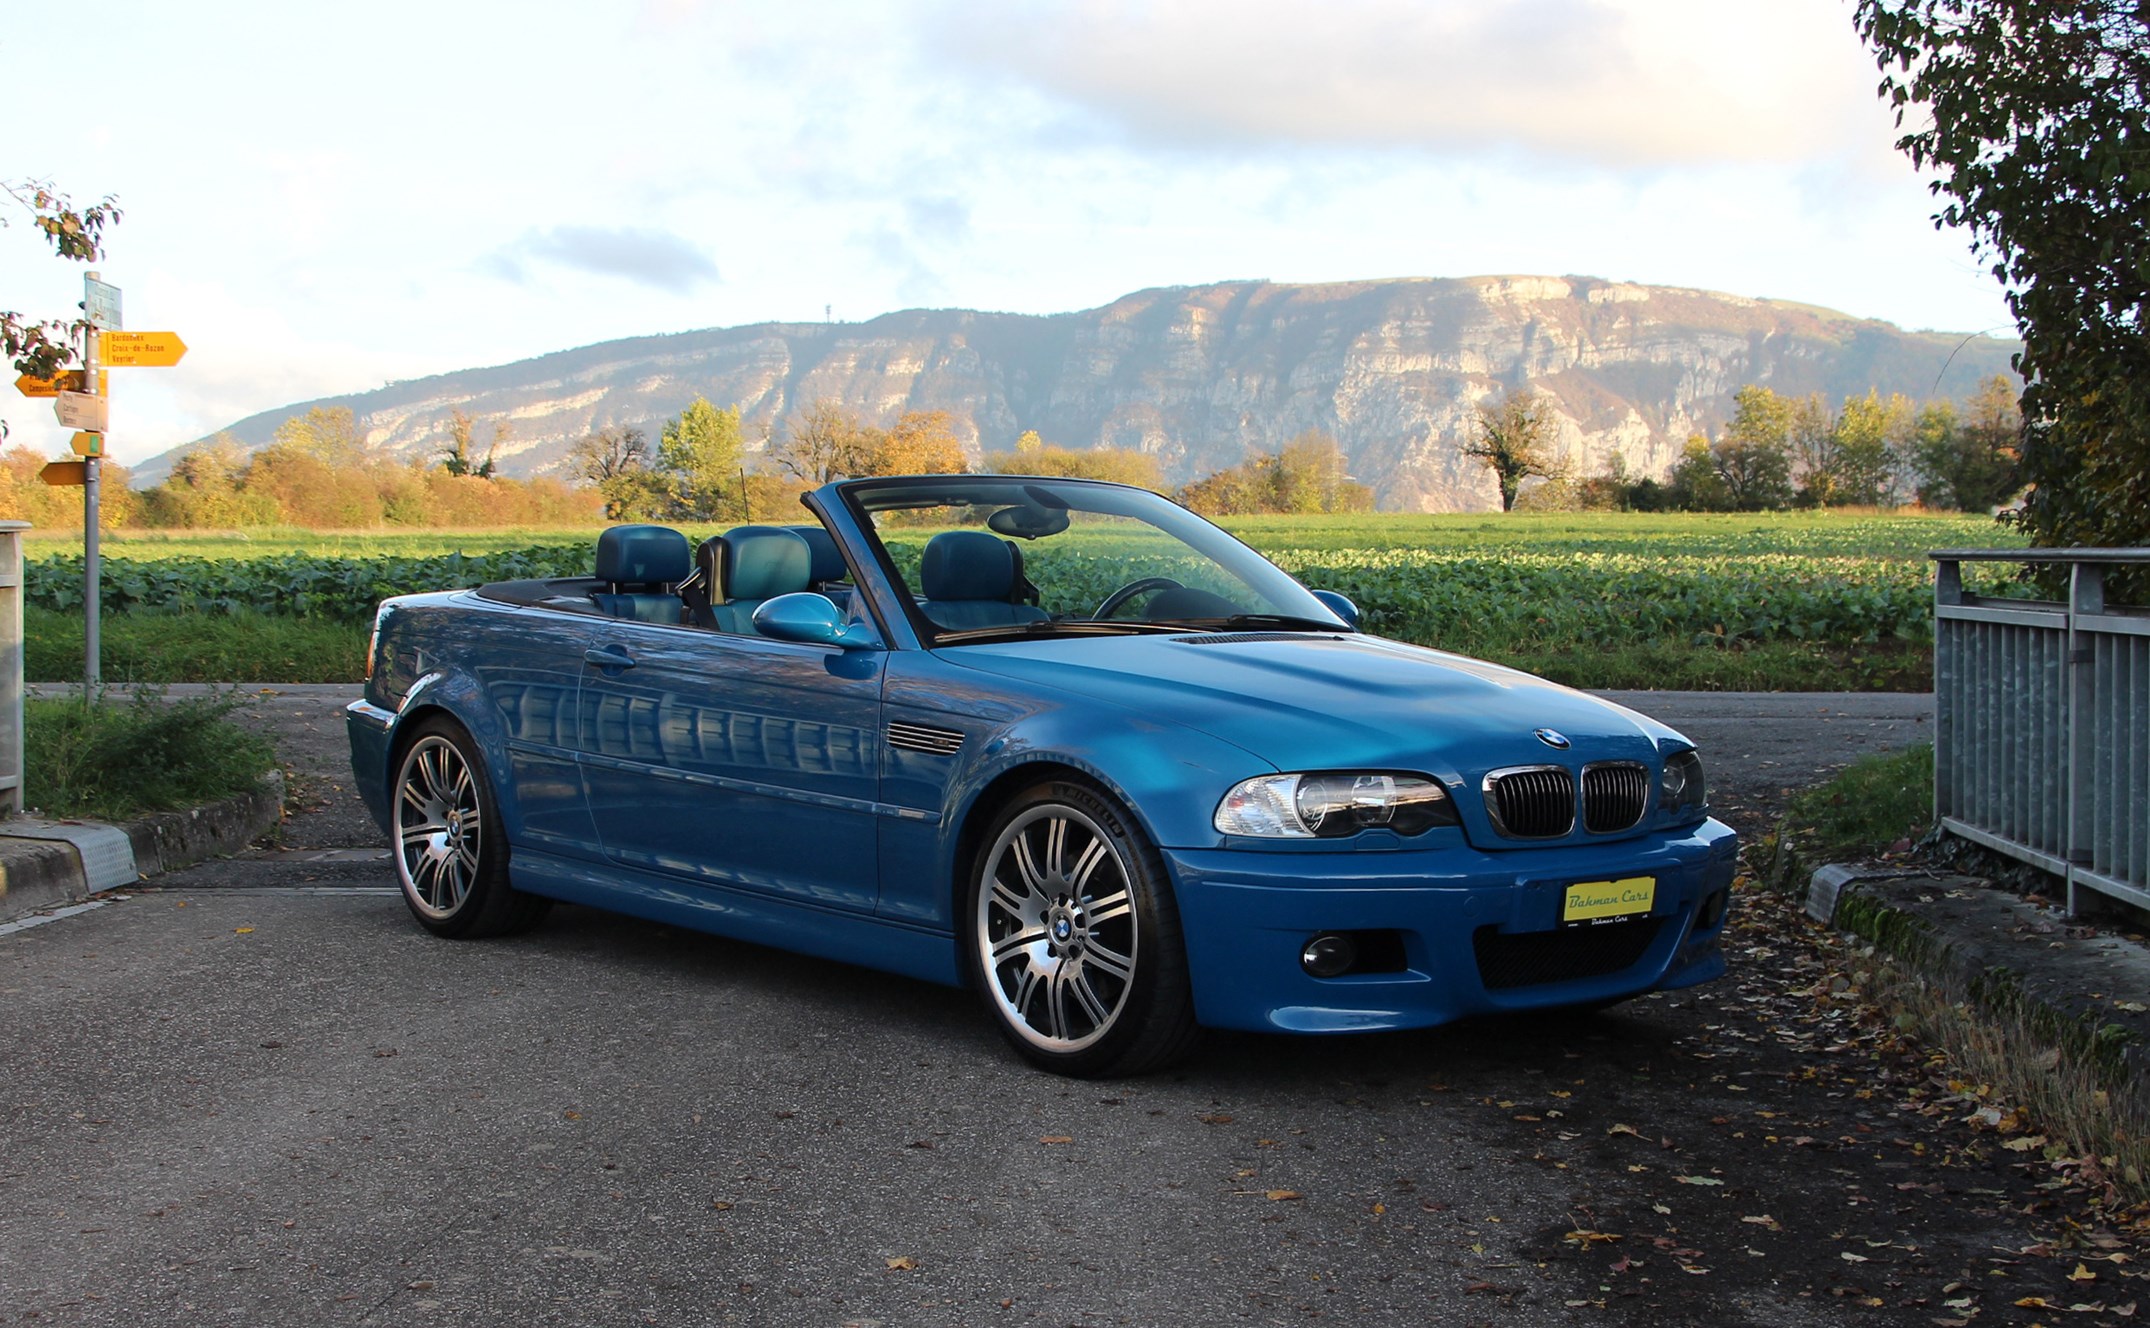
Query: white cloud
{"x": 1638, "y": 83}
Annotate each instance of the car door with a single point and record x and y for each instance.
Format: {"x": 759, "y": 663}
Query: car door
{"x": 735, "y": 760}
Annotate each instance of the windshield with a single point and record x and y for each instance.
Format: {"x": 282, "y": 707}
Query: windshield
{"x": 993, "y": 557}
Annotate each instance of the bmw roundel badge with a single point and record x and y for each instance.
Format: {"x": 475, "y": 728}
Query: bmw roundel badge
{"x": 1553, "y": 738}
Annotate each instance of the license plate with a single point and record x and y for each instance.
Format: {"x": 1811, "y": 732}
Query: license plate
{"x": 1590, "y": 902}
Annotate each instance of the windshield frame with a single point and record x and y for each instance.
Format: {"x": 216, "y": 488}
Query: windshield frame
{"x": 863, "y": 499}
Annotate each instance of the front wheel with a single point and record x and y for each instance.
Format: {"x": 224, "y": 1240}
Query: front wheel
{"x": 451, "y": 854}
{"x": 1074, "y": 940}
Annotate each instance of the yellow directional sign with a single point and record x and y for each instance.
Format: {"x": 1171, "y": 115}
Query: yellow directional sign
{"x": 67, "y": 380}
{"x": 65, "y": 474}
{"x": 88, "y": 444}
{"x": 145, "y": 350}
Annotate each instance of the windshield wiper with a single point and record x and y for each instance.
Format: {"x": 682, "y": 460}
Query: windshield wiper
{"x": 1051, "y": 627}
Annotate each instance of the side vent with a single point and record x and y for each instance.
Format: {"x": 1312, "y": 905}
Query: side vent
{"x": 925, "y": 738}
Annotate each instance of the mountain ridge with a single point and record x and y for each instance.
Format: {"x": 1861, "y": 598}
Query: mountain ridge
{"x": 1199, "y": 376}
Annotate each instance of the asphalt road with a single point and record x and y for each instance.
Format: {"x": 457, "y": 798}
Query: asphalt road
{"x": 257, "y": 1094}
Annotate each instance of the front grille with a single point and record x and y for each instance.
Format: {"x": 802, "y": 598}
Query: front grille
{"x": 1532, "y": 801}
{"x": 925, "y": 738}
{"x": 1507, "y": 960}
{"x": 1615, "y": 795}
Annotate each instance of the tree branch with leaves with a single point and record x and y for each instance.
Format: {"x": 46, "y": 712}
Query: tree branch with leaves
{"x": 45, "y": 346}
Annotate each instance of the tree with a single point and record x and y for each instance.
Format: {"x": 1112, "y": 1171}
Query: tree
{"x": 44, "y": 346}
{"x": 825, "y": 442}
{"x": 1864, "y": 437}
{"x": 1309, "y": 475}
{"x": 1753, "y": 456}
{"x": 1515, "y": 440}
{"x": 615, "y": 462}
{"x": 921, "y": 443}
{"x": 698, "y": 454}
{"x": 1968, "y": 463}
{"x": 1121, "y": 465}
{"x": 328, "y": 434}
{"x": 458, "y": 457}
{"x": 2034, "y": 117}
{"x": 1695, "y": 485}
{"x": 1305, "y": 475}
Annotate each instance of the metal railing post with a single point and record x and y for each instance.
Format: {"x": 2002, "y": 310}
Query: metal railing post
{"x": 2042, "y": 721}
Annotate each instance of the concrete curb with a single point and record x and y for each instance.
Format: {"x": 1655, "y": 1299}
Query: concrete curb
{"x": 42, "y": 873}
{"x": 2065, "y": 1002}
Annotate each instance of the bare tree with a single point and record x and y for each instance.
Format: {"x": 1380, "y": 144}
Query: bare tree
{"x": 1515, "y": 441}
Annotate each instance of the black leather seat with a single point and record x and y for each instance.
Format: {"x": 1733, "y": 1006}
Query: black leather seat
{"x": 640, "y": 568}
{"x": 747, "y": 565}
{"x": 828, "y": 561}
{"x": 972, "y": 579}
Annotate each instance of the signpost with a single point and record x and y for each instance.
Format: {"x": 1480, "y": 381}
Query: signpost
{"x": 82, "y": 401}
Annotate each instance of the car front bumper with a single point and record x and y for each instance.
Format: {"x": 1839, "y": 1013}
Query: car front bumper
{"x": 1479, "y": 932}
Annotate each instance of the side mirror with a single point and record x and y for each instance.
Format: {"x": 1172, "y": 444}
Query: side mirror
{"x": 1340, "y": 605}
{"x": 812, "y": 619}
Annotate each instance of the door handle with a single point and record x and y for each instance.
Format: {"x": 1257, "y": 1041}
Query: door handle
{"x": 606, "y": 657}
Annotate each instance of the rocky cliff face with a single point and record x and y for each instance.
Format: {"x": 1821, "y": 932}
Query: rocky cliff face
{"x": 1394, "y": 370}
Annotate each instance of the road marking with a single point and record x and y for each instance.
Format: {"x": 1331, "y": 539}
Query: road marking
{"x": 40, "y": 919}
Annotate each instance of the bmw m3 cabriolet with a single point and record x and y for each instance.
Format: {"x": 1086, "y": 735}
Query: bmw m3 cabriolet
{"x": 1061, "y": 741}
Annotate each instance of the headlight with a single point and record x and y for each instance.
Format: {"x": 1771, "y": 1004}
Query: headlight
{"x": 1330, "y": 805}
{"x": 1682, "y": 791}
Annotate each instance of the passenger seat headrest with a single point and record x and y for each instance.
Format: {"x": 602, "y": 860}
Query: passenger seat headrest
{"x": 967, "y": 564}
{"x": 828, "y": 562}
{"x": 642, "y": 556}
{"x": 762, "y": 562}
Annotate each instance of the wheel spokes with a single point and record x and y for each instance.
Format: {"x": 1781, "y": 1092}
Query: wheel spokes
{"x": 439, "y": 826}
{"x": 1056, "y": 923}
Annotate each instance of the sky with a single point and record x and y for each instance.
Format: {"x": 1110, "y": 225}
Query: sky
{"x": 321, "y": 199}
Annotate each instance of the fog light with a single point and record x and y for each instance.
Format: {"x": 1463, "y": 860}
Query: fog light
{"x": 1329, "y": 955}
{"x": 1712, "y": 911}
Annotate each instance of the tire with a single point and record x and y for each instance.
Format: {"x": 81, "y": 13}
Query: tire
{"x": 1073, "y": 940}
{"x": 446, "y": 836}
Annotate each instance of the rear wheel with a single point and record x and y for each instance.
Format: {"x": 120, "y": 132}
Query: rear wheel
{"x": 451, "y": 854}
{"x": 1074, "y": 941}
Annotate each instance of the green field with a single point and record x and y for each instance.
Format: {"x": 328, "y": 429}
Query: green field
{"x": 1802, "y": 601}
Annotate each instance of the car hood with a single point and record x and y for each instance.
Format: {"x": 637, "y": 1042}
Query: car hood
{"x": 1304, "y": 701}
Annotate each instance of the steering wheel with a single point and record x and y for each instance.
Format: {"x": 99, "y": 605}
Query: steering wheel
{"x": 1127, "y": 592}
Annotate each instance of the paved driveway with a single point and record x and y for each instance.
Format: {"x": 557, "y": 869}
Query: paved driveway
{"x": 256, "y": 1094}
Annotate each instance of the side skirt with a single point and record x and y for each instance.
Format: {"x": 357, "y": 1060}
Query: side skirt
{"x": 860, "y": 939}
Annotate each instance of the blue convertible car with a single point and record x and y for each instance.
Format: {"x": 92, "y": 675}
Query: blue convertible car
{"x": 1062, "y": 741}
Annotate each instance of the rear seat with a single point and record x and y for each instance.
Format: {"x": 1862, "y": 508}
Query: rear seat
{"x": 641, "y": 568}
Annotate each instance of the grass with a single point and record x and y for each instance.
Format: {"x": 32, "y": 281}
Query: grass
{"x": 108, "y": 759}
{"x": 1875, "y": 802}
{"x": 195, "y": 647}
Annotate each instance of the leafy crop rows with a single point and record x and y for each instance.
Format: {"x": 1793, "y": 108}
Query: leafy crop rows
{"x": 301, "y": 585}
{"x": 1453, "y": 597}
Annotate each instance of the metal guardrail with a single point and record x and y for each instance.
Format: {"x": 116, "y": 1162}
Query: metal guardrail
{"x": 2042, "y": 721}
{"x": 11, "y": 665}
